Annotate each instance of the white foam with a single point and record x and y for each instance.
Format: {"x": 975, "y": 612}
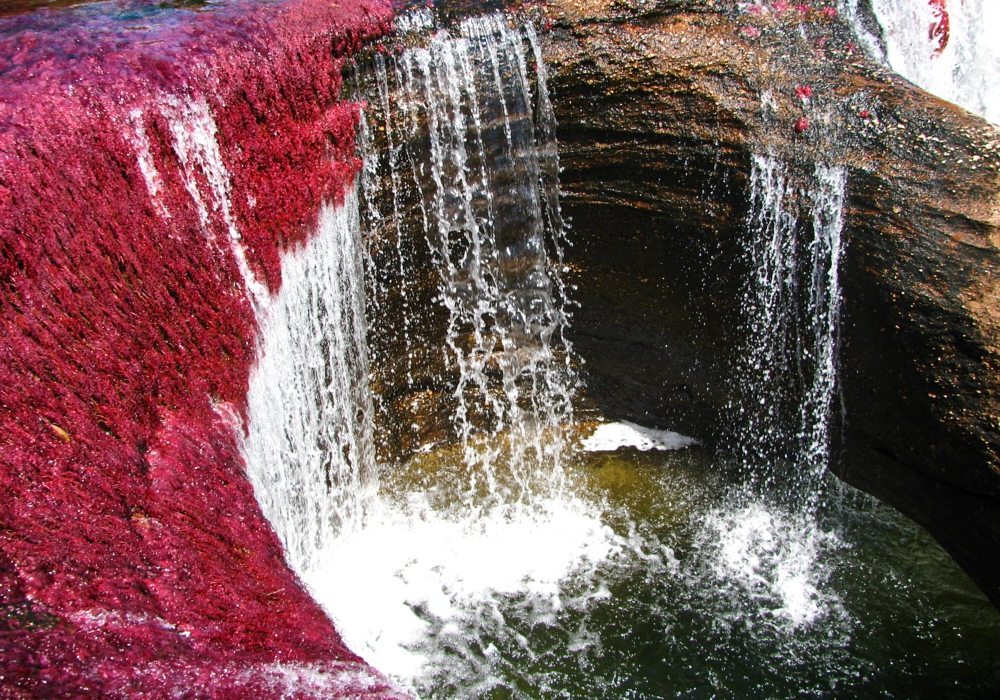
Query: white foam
{"x": 415, "y": 20}
{"x": 413, "y": 575}
{"x": 774, "y": 558}
{"x": 612, "y": 436}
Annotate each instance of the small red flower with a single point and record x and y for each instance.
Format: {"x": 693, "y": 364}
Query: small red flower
{"x": 804, "y": 92}
{"x": 865, "y": 114}
{"x": 801, "y": 125}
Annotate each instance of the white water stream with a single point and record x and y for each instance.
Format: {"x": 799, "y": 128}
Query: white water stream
{"x": 499, "y": 566}
{"x": 309, "y": 450}
{"x": 792, "y": 300}
{"x": 959, "y": 63}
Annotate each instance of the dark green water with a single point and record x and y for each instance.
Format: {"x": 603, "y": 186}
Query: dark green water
{"x": 892, "y": 615}
{"x": 715, "y": 593}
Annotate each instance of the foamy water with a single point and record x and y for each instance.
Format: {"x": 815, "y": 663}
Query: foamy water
{"x": 960, "y": 63}
{"x": 611, "y": 436}
{"x": 445, "y": 595}
{"x": 774, "y": 558}
{"x": 415, "y": 581}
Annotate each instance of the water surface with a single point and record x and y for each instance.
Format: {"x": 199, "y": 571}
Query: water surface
{"x": 652, "y": 575}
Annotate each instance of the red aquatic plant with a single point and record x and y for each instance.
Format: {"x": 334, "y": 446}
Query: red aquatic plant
{"x": 141, "y": 149}
{"x": 940, "y": 28}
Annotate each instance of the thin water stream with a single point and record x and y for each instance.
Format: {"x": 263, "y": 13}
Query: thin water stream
{"x": 538, "y": 554}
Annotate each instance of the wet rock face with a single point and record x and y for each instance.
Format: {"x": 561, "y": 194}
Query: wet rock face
{"x": 660, "y": 107}
{"x": 658, "y": 298}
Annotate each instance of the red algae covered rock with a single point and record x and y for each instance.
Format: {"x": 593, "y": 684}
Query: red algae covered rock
{"x": 154, "y": 165}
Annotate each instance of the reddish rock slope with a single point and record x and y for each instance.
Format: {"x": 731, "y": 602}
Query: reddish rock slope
{"x": 155, "y": 159}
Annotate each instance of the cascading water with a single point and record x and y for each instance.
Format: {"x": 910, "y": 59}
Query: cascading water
{"x": 947, "y": 47}
{"x": 498, "y": 559}
{"x": 310, "y": 402}
{"x": 478, "y": 187}
{"x": 469, "y": 138}
{"x": 140, "y": 287}
{"x": 766, "y": 539}
{"x": 792, "y": 302}
{"x": 142, "y": 153}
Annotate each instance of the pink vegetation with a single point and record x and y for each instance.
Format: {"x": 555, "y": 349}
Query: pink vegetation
{"x": 803, "y": 92}
{"x": 940, "y": 29}
{"x": 134, "y": 560}
{"x": 750, "y": 32}
{"x": 801, "y": 125}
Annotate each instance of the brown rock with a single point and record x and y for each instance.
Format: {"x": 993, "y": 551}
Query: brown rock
{"x": 659, "y": 112}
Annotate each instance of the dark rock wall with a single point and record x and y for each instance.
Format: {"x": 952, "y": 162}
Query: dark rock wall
{"x": 660, "y": 108}
{"x": 920, "y": 367}
{"x": 658, "y": 296}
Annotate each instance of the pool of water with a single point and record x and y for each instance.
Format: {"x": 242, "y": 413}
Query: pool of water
{"x": 633, "y": 574}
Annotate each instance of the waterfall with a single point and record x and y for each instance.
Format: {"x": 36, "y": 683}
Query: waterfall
{"x": 948, "y": 48}
{"x": 470, "y": 171}
{"x": 765, "y": 541}
{"x": 475, "y": 541}
{"x": 788, "y": 373}
{"x": 309, "y": 449}
{"x": 494, "y": 559}
{"x": 208, "y": 257}
{"x": 461, "y": 177}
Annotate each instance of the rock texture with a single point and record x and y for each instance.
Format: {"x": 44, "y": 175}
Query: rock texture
{"x": 660, "y": 107}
